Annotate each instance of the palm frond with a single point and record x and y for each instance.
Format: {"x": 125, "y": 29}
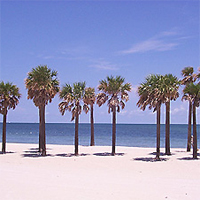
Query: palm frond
{"x": 112, "y": 89}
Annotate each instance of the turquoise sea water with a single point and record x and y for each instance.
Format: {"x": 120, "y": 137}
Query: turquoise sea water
{"x": 132, "y": 135}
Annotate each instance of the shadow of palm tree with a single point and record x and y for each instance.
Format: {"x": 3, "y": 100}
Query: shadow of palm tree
{"x": 161, "y": 154}
{"x": 149, "y": 159}
{"x": 187, "y": 158}
{"x": 35, "y": 151}
{"x": 7, "y": 152}
{"x": 70, "y": 155}
{"x": 108, "y": 154}
{"x": 35, "y": 155}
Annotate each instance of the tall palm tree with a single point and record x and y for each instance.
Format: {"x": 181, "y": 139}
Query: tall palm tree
{"x": 42, "y": 85}
{"x": 189, "y": 77}
{"x": 9, "y": 98}
{"x": 115, "y": 92}
{"x": 193, "y": 90}
{"x": 89, "y": 99}
{"x": 170, "y": 86}
{"x": 151, "y": 94}
{"x": 72, "y": 97}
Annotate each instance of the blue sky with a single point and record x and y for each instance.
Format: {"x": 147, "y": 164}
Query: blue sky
{"x": 89, "y": 40}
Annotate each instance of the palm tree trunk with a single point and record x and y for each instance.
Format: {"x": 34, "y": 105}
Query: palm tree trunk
{"x": 92, "y": 125}
{"x": 158, "y": 134}
{"x": 40, "y": 128}
{"x": 43, "y": 136}
{"x": 4, "y": 135}
{"x": 167, "y": 129}
{"x": 194, "y": 133}
{"x": 76, "y": 134}
{"x": 114, "y": 131}
{"x": 189, "y": 127}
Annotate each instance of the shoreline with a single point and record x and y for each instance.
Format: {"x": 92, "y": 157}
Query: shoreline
{"x": 94, "y": 174}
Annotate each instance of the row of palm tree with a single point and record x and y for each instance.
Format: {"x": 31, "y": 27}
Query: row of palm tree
{"x": 42, "y": 84}
{"x": 158, "y": 89}
{"x": 113, "y": 91}
{"x": 192, "y": 95}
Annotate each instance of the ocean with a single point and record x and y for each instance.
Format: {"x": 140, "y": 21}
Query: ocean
{"x": 131, "y": 135}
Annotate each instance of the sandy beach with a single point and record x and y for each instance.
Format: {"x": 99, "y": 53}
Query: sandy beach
{"x": 95, "y": 175}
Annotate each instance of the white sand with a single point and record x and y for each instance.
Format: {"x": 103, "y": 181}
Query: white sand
{"x": 95, "y": 175}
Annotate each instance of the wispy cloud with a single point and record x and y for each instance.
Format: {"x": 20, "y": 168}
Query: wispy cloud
{"x": 180, "y": 109}
{"x": 48, "y": 57}
{"x": 133, "y": 95}
{"x": 150, "y": 45}
{"x": 164, "y": 41}
{"x": 104, "y": 65}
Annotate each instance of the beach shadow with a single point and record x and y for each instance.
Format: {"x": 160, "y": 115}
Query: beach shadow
{"x": 7, "y": 152}
{"x": 71, "y": 155}
{"x": 35, "y": 155}
{"x": 190, "y": 157}
{"x": 32, "y": 152}
{"x": 108, "y": 154}
{"x": 34, "y": 149}
{"x": 187, "y": 158}
{"x": 148, "y": 159}
{"x": 161, "y": 154}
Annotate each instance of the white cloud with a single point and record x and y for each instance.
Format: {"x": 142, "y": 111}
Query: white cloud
{"x": 150, "y": 45}
{"x": 179, "y": 110}
{"x": 104, "y": 65}
{"x": 160, "y": 42}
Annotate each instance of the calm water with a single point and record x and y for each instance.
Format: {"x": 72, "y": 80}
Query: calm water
{"x": 132, "y": 135}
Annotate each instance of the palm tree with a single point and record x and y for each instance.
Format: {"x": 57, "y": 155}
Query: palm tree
{"x": 42, "y": 85}
{"x": 152, "y": 95}
{"x": 115, "y": 92}
{"x": 72, "y": 97}
{"x": 9, "y": 98}
{"x": 89, "y": 99}
{"x": 170, "y": 86}
{"x": 189, "y": 77}
{"x": 193, "y": 90}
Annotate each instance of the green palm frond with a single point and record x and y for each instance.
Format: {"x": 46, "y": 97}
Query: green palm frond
{"x": 89, "y": 97}
{"x": 101, "y": 99}
{"x": 9, "y": 97}
{"x": 71, "y": 97}
{"x": 151, "y": 92}
{"x": 170, "y": 87}
{"x": 188, "y": 75}
{"x": 85, "y": 108}
{"x": 42, "y": 85}
{"x": 192, "y": 91}
{"x": 114, "y": 90}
